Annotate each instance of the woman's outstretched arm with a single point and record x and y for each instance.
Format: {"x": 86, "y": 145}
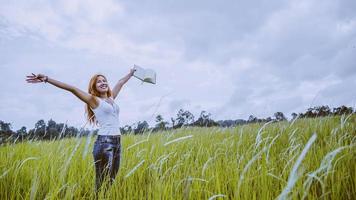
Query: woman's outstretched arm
{"x": 121, "y": 82}
{"x": 85, "y": 97}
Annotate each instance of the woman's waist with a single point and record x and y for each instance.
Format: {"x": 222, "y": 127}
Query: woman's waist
{"x": 109, "y": 138}
{"x": 109, "y": 130}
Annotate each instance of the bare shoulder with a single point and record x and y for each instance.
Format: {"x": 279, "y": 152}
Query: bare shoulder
{"x": 93, "y": 102}
{"x": 112, "y": 100}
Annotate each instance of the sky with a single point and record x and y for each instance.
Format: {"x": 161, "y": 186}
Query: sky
{"x": 231, "y": 58}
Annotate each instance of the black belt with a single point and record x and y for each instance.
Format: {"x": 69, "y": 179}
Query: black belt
{"x": 109, "y": 138}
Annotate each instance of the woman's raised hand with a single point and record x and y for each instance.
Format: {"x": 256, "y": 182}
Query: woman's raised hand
{"x": 39, "y": 78}
{"x": 132, "y": 71}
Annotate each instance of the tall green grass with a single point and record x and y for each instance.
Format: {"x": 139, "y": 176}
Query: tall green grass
{"x": 306, "y": 159}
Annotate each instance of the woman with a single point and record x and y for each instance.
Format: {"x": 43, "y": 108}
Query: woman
{"x": 100, "y": 109}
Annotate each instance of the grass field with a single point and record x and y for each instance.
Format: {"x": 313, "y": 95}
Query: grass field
{"x": 308, "y": 158}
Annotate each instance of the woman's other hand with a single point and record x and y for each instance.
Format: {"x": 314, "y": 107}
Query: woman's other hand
{"x": 132, "y": 71}
{"x": 39, "y": 78}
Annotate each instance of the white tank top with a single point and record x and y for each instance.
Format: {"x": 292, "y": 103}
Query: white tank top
{"x": 107, "y": 116}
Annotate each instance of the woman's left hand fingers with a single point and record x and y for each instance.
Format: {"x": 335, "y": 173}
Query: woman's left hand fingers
{"x": 33, "y": 78}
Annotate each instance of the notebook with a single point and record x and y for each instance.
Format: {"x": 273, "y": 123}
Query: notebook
{"x": 145, "y": 75}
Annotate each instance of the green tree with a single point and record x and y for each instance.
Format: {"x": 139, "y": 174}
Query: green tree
{"x": 205, "y": 120}
{"x": 294, "y": 116}
{"x": 5, "y": 131}
{"x": 279, "y": 116}
{"x": 141, "y": 127}
{"x": 5, "y": 126}
{"x": 184, "y": 118}
{"x": 161, "y": 124}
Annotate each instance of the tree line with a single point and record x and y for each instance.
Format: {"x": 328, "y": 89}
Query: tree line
{"x": 53, "y": 131}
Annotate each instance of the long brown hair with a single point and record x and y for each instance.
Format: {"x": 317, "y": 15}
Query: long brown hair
{"x": 92, "y": 90}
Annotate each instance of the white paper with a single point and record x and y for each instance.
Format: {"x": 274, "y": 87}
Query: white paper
{"x": 145, "y": 75}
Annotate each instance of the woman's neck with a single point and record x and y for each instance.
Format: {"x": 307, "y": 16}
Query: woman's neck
{"x": 104, "y": 96}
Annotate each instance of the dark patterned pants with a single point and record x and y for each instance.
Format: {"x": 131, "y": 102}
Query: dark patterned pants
{"x": 106, "y": 152}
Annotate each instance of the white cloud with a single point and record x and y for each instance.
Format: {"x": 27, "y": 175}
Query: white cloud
{"x": 91, "y": 10}
{"x": 232, "y": 59}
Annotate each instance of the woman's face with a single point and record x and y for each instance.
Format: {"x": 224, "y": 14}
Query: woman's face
{"x": 101, "y": 85}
